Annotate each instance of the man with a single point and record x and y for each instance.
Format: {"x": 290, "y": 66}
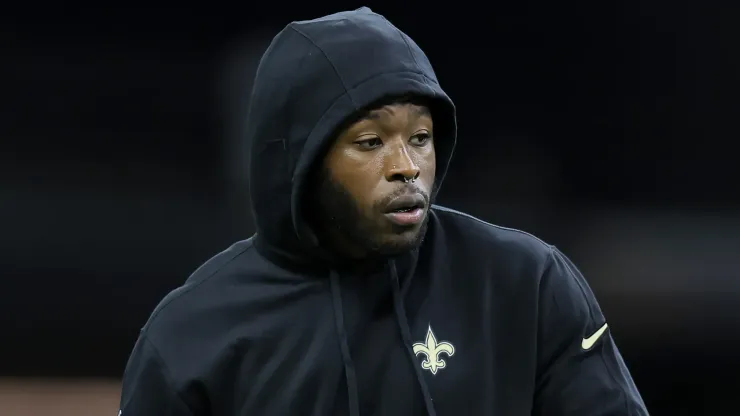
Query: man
{"x": 357, "y": 296}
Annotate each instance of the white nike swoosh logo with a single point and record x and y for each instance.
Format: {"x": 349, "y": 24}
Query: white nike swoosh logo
{"x": 589, "y": 342}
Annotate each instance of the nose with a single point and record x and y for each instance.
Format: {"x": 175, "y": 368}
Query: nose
{"x": 401, "y": 166}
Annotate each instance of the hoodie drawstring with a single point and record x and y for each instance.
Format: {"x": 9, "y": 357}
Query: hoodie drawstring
{"x": 349, "y": 367}
{"x": 403, "y": 325}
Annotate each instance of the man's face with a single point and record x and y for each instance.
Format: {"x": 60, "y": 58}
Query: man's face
{"x": 374, "y": 190}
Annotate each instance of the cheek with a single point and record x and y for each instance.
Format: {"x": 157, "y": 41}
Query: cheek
{"x": 359, "y": 178}
{"x": 427, "y": 163}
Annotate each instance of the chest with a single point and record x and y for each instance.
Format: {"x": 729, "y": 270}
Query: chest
{"x": 472, "y": 348}
{"x": 475, "y": 349}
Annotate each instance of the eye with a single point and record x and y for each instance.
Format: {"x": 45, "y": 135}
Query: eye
{"x": 369, "y": 144}
{"x": 420, "y": 139}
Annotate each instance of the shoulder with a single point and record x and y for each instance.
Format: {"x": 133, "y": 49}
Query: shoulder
{"x": 517, "y": 259}
{"x": 203, "y": 279}
{"x": 481, "y": 240}
{"x": 523, "y": 267}
{"x": 189, "y": 312}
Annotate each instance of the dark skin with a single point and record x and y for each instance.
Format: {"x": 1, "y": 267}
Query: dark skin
{"x": 373, "y": 161}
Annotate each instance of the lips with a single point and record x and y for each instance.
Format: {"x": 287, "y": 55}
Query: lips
{"x": 406, "y": 210}
{"x": 406, "y": 203}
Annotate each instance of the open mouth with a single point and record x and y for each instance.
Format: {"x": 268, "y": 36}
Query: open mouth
{"x": 405, "y": 209}
{"x": 406, "y": 203}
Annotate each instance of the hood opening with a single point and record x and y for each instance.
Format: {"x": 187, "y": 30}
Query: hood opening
{"x": 312, "y": 78}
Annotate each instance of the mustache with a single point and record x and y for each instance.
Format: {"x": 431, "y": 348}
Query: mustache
{"x": 406, "y": 189}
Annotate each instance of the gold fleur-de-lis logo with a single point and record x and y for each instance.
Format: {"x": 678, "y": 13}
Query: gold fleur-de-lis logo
{"x": 431, "y": 350}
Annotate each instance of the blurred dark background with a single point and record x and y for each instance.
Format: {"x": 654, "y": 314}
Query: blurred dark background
{"x": 605, "y": 128}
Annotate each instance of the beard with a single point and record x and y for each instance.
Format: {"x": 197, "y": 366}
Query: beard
{"x": 338, "y": 218}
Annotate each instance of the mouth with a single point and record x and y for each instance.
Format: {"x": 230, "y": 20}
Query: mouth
{"x": 406, "y": 210}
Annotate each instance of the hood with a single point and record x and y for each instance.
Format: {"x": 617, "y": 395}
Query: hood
{"x": 315, "y": 75}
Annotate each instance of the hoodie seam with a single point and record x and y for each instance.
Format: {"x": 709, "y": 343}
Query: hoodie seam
{"x": 482, "y": 222}
{"x": 197, "y": 284}
{"x": 347, "y": 88}
{"x": 333, "y": 67}
{"x": 166, "y": 373}
{"x": 411, "y": 52}
{"x": 403, "y": 71}
{"x": 554, "y": 252}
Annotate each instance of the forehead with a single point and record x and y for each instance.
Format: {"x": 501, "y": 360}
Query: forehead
{"x": 401, "y": 109}
{"x": 396, "y": 113}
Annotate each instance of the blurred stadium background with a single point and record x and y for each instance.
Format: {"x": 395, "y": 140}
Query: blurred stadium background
{"x": 606, "y": 128}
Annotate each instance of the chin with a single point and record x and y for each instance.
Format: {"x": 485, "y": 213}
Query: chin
{"x": 399, "y": 243}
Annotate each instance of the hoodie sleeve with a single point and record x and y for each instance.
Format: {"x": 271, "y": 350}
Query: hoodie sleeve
{"x": 146, "y": 387}
{"x": 580, "y": 370}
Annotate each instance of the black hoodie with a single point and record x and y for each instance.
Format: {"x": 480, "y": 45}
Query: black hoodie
{"x": 480, "y": 320}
